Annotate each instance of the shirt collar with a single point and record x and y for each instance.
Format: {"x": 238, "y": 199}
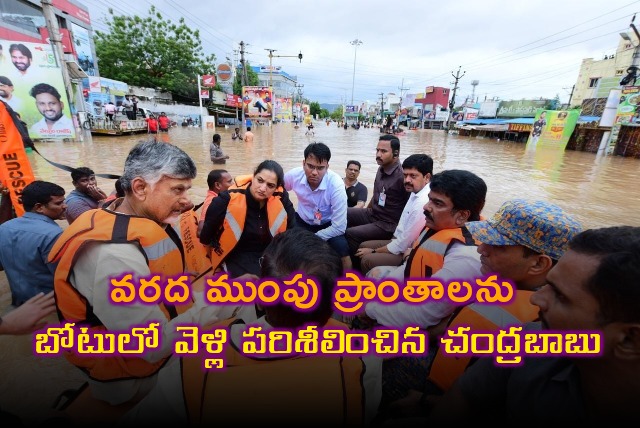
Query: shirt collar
{"x": 38, "y": 216}
{"x": 389, "y": 170}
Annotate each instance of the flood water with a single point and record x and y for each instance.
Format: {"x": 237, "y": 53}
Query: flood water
{"x": 597, "y": 190}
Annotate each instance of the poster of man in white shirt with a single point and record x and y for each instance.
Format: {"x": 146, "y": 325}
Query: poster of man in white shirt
{"x": 53, "y": 123}
{"x": 28, "y": 66}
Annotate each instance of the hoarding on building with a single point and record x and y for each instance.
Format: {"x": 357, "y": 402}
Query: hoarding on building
{"x": 488, "y": 109}
{"x": 39, "y": 73}
{"x": 552, "y": 128}
{"x": 521, "y": 108}
{"x": 82, "y": 46}
{"x": 628, "y": 110}
{"x": 256, "y": 101}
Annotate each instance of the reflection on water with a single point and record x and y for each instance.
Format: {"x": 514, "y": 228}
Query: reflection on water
{"x": 597, "y": 190}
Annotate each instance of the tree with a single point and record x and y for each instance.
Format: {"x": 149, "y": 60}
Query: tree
{"x": 252, "y": 79}
{"x": 153, "y": 52}
{"x": 337, "y": 113}
{"x": 314, "y": 108}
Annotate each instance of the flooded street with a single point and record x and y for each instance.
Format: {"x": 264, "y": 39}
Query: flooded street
{"x": 598, "y": 191}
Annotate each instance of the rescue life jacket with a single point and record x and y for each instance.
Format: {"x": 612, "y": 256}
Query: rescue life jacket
{"x": 301, "y": 390}
{"x": 195, "y": 253}
{"x": 164, "y": 254}
{"x": 428, "y": 255}
{"x": 236, "y": 215}
{"x": 447, "y": 368}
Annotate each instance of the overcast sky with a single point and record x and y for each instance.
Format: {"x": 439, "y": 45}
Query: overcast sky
{"x": 514, "y": 49}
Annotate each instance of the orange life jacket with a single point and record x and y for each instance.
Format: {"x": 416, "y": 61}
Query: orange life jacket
{"x": 162, "y": 250}
{"x": 302, "y": 390}
{"x": 430, "y": 249}
{"x": 447, "y": 368}
{"x": 195, "y": 253}
{"x": 236, "y": 215}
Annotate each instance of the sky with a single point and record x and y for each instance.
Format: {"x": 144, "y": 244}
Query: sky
{"x": 513, "y": 49}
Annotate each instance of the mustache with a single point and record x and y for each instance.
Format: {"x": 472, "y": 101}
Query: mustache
{"x": 378, "y": 159}
{"x": 427, "y": 215}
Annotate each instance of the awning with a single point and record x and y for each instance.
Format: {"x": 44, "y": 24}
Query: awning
{"x": 219, "y": 111}
{"x": 75, "y": 72}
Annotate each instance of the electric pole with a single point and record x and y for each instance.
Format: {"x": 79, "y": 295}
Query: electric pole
{"x": 573, "y": 88}
{"x": 56, "y": 41}
{"x": 457, "y": 77}
{"x": 243, "y": 80}
{"x": 402, "y": 89}
{"x": 243, "y": 77}
{"x": 382, "y": 108}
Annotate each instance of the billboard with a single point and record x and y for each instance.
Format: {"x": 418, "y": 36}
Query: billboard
{"x": 256, "y": 101}
{"x": 627, "y": 110}
{"x": 82, "y": 46}
{"x": 283, "y": 109}
{"x": 553, "y": 128}
{"x": 31, "y": 69}
{"x": 521, "y": 108}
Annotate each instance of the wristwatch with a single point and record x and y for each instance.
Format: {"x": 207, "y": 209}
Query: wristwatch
{"x": 374, "y": 250}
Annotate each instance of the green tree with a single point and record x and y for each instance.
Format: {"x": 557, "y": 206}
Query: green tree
{"x": 337, "y": 113}
{"x": 314, "y": 108}
{"x": 252, "y": 79}
{"x": 153, "y": 52}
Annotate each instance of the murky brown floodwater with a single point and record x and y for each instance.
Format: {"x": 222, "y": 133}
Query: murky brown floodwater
{"x": 598, "y": 191}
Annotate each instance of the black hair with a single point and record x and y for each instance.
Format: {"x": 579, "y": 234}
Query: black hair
{"x": 22, "y": 48}
{"x": 355, "y": 162}
{"x": 614, "y": 284}
{"x": 394, "y": 141}
{"x": 217, "y": 138}
{"x": 321, "y": 151}
{"x": 81, "y": 172}
{"x": 421, "y": 162}
{"x": 44, "y": 88}
{"x": 466, "y": 190}
{"x": 214, "y": 176}
{"x": 273, "y": 166}
{"x": 39, "y": 192}
{"x": 299, "y": 250}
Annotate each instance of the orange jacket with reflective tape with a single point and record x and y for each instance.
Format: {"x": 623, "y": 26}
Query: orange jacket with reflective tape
{"x": 236, "y": 215}
{"x": 431, "y": 248}
{"x": 302, "y": 390}
{"x": 163, "y": 252}
{"x": 446, "y": 368}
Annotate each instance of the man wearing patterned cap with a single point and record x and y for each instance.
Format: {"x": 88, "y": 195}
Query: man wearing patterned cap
{"x": 521, "y": 243}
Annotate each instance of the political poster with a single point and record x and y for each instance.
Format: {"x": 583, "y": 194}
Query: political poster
{"x": 553, "y": 128}
{"x": 31, "y": 83}
{"x": 257, "y": 101}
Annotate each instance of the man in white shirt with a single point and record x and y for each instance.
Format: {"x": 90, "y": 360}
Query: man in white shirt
{"x": 417, "y": 170}
{"x": 322, "y": 201}
{"x": 445, "y": 249}
{"x": 53, "y": 123}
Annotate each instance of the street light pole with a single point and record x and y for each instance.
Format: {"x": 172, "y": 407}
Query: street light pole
{"x": 355, "y": 43}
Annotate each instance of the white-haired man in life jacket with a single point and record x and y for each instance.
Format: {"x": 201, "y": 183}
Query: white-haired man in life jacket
{"x": 132, "y": 235}
{"x": 283, "y": 390}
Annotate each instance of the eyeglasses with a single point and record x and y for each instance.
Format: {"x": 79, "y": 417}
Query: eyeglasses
{"x": 315, "y": 167}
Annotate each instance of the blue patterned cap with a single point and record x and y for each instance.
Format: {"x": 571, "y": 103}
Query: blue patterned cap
{"x": 543, "y": 227}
